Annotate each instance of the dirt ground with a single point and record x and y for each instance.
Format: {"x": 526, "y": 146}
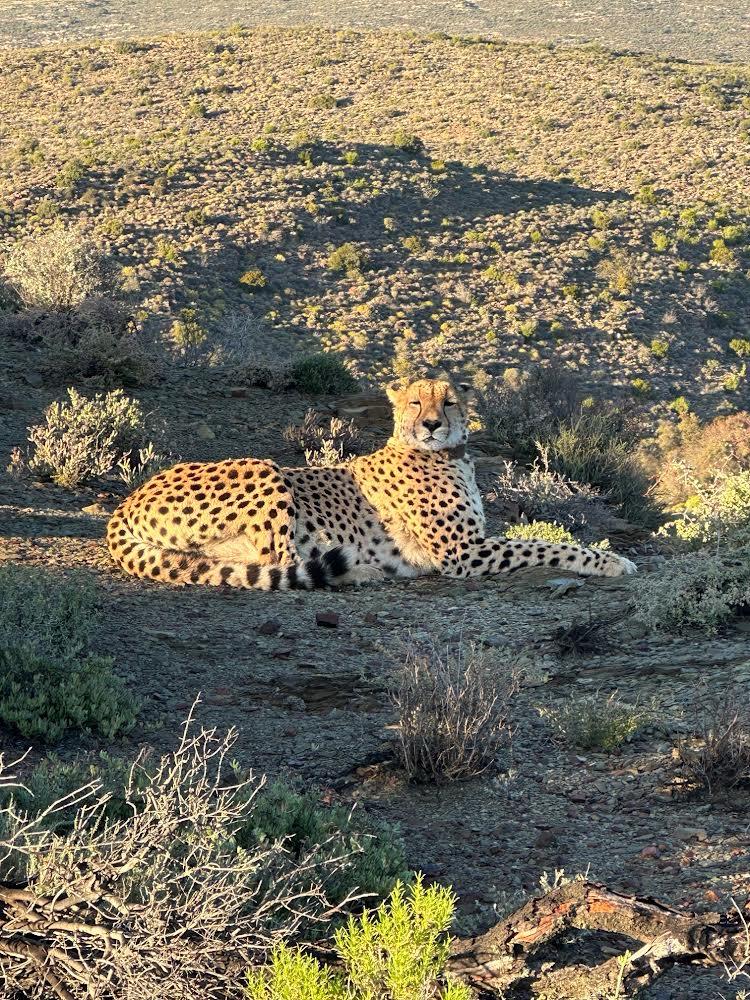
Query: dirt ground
{"x": 311, "y": 703}
{"x": 682, "y": 28}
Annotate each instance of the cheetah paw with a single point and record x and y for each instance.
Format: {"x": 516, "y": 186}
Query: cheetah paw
{"x": 620, "y": 566}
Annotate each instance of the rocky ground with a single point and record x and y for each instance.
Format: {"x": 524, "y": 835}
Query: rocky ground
{"x": 311, "y": 700}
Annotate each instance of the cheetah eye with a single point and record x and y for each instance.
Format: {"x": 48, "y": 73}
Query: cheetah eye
{"x": 415, "y": 402}
{"x": 450, "y": 402}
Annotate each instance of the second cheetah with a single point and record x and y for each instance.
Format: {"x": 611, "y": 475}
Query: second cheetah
{"x": 409, "y": 509}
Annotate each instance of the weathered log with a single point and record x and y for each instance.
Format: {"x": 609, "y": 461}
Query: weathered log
{"x": 505, "y": 955}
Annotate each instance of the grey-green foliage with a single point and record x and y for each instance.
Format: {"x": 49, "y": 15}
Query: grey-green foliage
{"x": 398, "y": 952}
{"x": 596, "y": 447}
{"x": 596, "y": 722}
{"x": 376, "y": 851}
{"x": 697, "y": 590}
{"x": 53, "y": 780}
{"x": 49, "y": 681}
{"x": 322, "y": 373}
{"x": 82, "y": 438}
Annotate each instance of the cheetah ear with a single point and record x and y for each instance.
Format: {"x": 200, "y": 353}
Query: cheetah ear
{"x": 466, "y": 389}
{"x": 393, "y": 392}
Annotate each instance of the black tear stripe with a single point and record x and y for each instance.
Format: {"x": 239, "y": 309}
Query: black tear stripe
{"x": 336, "y": 562}
{"x": 316, "y": 572}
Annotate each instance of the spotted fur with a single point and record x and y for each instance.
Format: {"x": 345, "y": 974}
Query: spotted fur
{"x": 409, "y": 509}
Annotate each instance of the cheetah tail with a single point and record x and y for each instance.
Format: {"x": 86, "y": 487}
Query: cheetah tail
{"x": 152, "y": 562}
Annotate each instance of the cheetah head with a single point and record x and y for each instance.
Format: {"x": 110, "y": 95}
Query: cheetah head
{"x": 431, "y": 414}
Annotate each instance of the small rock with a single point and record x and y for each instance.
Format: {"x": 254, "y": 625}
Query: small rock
{"x": 270, "y": 627}
{"x": 650, "y": 852}
{"x": 204, "y": 432}
{"x": 94, "y": 508}
{"x": 327, "y": 619}
{"x": 371, "y": 618}
{"x": 563, "y": 585}
{"x": 239, "y": 392}
{"x": 545, "y": 839}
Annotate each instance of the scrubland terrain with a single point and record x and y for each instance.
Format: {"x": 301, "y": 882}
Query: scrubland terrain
{"x": 233, "y": 229}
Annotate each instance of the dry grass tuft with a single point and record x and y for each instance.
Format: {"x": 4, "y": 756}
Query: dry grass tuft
{"x": 453, "y": 704}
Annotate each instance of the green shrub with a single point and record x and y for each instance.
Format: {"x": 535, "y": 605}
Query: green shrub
{"x": 719, "y": 513}
{"x": 545, "y": 531}
{"x": 85, "y": 438}
{"x": 253, "y": 280}
{"x": 322, "y": 373}
{"x": 407, "y": 142}
{"x": 399, "y": 952}
{"x": 740, "y": 346}
{"x": 593, "y": 722}
{"x": 596, "y": 447}
{"x": 53, "y": 780}
{"x": 347, "y": 259}
{"x": 375, "y": 851}
{"x": 49, "y": 682}
{"x": 698, "y": 590}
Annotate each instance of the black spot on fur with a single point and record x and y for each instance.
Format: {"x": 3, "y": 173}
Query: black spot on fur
{"x": 316, "y": 573}
{"x": 253, "y": 572}
{"x": 337, "y": 563}
{"x": 274, "y": 577}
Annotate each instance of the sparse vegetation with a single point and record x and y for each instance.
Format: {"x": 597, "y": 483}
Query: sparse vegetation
{"x": 83, "y": 439}
{"x": 595, "y": 722}
{"x": 453, "y": 706}
{"x": 50, "y": 681}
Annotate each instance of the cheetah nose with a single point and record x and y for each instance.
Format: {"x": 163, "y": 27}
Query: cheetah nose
{"x": 432, "y": 425}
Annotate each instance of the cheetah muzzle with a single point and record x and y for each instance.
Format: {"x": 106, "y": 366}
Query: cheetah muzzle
{"x": 409, "y": 509}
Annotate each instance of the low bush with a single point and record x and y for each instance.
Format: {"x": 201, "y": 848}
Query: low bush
{"x": 74, "y": 309}
{"x": 347, "y": 259}
{"x": 398, "y": 952}
{"x": 718, "y": 514}
{"x": 57, "y": 269}
{"x": 163, "y": 902}
{"x": 322, "y": 373}
{"x": 597, "y": 447}
{"x": 687, "y": 454}
{"x": 49, "y": 681}
{"x": 453, "y": 705}
{"x": 543, "y": 495}
{"x": 374, "y": 851}
{"x": 83, "y": 439}
{"x": 407, "y": 142}
{"x": 716, "y": 759}
{"x": 594, "y": 722}
{"x": 366, "y": 857}
{"x": 696, "y": 590}
{"x": 545, "y": 531}
{"x": 334, "y": 444}
{"x": 522, "y": 409}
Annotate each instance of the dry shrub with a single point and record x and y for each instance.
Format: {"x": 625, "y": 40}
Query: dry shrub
{"x": 73, "y": 308}
{"x": 453, "y": 704}
{"x": 327, "y": 445}
{"x": 524, "y": 408}
{"x": 717, "y": 759}
{"x": 160, "y": 905}
{"x": 56, "y": 270}
{"x": 687, "y": 454}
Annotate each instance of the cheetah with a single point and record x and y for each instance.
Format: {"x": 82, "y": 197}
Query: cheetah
{"x": 412, "y": 508}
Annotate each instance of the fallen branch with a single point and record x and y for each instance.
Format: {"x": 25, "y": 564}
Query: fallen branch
{"x": 505, "y": 956}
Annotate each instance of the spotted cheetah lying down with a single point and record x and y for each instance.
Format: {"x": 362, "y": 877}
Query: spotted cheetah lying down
{"x": 409, "y": 509}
